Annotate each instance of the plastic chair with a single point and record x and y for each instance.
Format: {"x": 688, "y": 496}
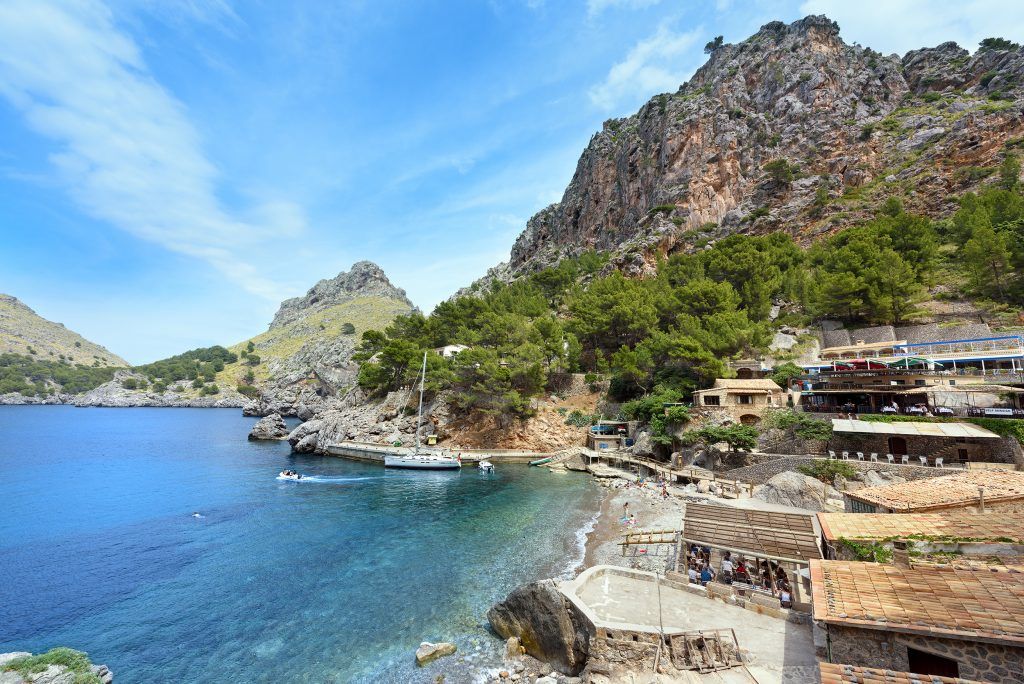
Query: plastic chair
{"x": 860, "y": 455}
{"x": 874, "y": 457}
{"x": 904, "y": 459}
{"x": 831, "y": 455}
{"x": 938, "y": 462}
{"x": 924, "y": 460}
{"x": 892, "y": 459}
{"x": 846, "y": 455}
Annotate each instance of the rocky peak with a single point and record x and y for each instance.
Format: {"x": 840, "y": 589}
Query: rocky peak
{"x": 689, "y": 167}
{"x": 364, "y": 279}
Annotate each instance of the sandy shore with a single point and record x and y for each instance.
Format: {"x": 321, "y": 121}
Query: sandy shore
{"x": 652, "y": 511}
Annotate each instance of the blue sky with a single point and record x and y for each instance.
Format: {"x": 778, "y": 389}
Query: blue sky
{"x": 171, "y": 170}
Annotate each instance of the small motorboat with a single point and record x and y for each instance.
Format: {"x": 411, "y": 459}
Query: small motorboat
{"x": 289, "y": 475}
{"x": 485, "y": 466}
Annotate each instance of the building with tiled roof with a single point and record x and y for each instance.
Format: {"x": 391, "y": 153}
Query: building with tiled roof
{"x": 831, "y": 673}
{"x": 745, "y": 400}
{"x": 949, "y": 622}
{"x": 983, "y": 537}
{"x": 952, "y": 525}
{"x": 975, "y": 491}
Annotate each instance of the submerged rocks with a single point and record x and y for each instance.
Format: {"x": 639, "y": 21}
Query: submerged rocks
{"x": 269, "y": 427}
{"x": 547, "y": 625}
{"x": 428, "y": 652}
{"x": 800, "y": 491}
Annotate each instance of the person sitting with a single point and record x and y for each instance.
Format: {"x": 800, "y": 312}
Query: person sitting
{"x": 692, "y": 573}
{"x": 786, "y": 598}
{"x": 706, "y": 575}
{"x": 727, "y": 569}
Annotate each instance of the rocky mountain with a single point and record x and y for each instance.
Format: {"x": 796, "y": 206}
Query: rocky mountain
{"x": 23, "y": 331}
{"x": 305, "y": 354}
{"x": 792, "y": 129}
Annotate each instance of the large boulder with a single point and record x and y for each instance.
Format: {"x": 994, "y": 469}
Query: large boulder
{"x": 548, "y": 626}
{"x": 799, "y": 491}
{"x": 269, "y": 427}
{"x": 874, "y": 478}
{"x": 642, "y": 444}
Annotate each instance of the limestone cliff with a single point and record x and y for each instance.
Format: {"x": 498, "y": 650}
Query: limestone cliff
{"x": 305, "y": 356}
{"x": 690, "y": 166}
{"x": 23, "y": 331}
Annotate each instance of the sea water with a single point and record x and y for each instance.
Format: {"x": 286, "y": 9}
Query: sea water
{"x": 162, "y": 542}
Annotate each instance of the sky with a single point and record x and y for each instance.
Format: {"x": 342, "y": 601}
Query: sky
{"x": 170, "y": 170}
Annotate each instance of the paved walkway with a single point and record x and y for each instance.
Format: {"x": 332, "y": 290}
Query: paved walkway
{"x": 776, "y": 647}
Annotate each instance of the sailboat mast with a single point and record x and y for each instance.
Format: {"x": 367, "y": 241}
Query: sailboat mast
{"x": 419, "y": 413}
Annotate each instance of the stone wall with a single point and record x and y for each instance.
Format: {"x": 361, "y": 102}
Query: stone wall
{"x": 766, "y": 470}
{"x": 990, "y": 450}
{"x": 875, "y": 648}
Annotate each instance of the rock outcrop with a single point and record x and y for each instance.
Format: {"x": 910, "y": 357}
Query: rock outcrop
{"x": 690, "y": 167}
{"x": 269, "y": 427}
{"x": 800, "y": 491}
{"x": 79, "y": 669}
{"x": 546, "y": 624}
{"x": 428, "y": 652}
{"x": 305, "y": 356}
{"x": 177, "y": 395}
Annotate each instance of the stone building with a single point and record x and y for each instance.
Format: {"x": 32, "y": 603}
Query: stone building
{"x": 975, "y": 491}
{"x": 955, "y": 533}
{"x": 927, "y": 620}
{"x": 955, "y": 443}
{"x": 744, "y": 400}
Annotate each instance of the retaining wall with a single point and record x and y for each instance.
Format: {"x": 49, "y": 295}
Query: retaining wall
{"x": 766, "y": 470}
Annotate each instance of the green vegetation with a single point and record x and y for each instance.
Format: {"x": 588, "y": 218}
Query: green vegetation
{"x": 76, "y": 662}
{"x": 738, "y": 437}
{"x": 713, "y": 45}
{"x": 29, "y": 376}
{"x": 191, "y": 365}
{"x": 826, "y": 471}
{"x": 803, "y": 425}
{"x": 780, "y": 171}
{"x": 997, "y": 44}
{"x": 348, "y": 328}
{"x": 868, "y": 552}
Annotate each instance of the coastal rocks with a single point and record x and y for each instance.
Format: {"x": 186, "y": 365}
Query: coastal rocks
{"x": 269, "y": 427}
{"x": 513, "y": 649}
{"x": 77, "y": 668}
{"x": 799, "y": 491}
{"x": 428, "y": 652}
{"x": 306, "y": 445}
{"x": 178, "y": 395}
{"x": 548, "y": 626}
{"x": 642, "y": 445}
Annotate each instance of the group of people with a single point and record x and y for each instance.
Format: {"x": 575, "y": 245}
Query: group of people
{"x": 655, "y": 483}
{"x": 765, "y": 576}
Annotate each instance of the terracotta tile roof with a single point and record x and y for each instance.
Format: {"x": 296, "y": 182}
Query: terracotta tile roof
{"x": 962, "y": 604}
{"x": 952, "y": 524}
{"x": 762, "y": 384}
{"x": 949, "y": 491}
{"x": 832, "y": 673}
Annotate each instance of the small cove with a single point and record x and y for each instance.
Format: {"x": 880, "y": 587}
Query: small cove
{"x": 332, "y": 580}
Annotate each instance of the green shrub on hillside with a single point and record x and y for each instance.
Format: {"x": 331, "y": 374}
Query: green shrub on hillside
{"x": 826, "y": 471}
{"x": 189, "y": 365}
{"x": 28, "y": 376}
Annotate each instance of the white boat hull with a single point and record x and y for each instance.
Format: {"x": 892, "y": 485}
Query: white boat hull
{"x": 422, "y": 462}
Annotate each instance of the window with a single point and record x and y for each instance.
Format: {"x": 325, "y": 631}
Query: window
{"x": 926, "y": 663}
{"x": 745, "y": 399}
{"x": 919, "y": 383}
{"x": 861, "y": 507}
{"x": 711, "y": 400}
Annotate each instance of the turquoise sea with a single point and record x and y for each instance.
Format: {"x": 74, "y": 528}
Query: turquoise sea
{"x": 336, "y": 579}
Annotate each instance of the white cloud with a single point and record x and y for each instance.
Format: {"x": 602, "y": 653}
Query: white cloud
{"x": 902, "y": 25}
{"x": 127, "y": 150}
{"x": 652, "y": 66}
{"x": 595, "y": 7}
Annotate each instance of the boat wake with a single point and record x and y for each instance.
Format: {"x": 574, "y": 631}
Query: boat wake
{"x": 322, "y": 479}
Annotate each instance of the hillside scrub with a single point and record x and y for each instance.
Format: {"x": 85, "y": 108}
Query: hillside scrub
{"x": 75, "y": 662}
{"x": 204, "y": 362}
{"x": 29, "y": 376}
{"x": 659, "y": 338}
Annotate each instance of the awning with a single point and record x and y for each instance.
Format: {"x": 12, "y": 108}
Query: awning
{"x": 912, "y": 429}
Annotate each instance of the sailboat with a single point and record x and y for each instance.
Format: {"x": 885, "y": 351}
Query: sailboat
{"x": 422, "y": 459}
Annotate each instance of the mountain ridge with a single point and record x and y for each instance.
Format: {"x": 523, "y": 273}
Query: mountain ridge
{"x": 23, "y": 331}
{"x": 848, "y": 126}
